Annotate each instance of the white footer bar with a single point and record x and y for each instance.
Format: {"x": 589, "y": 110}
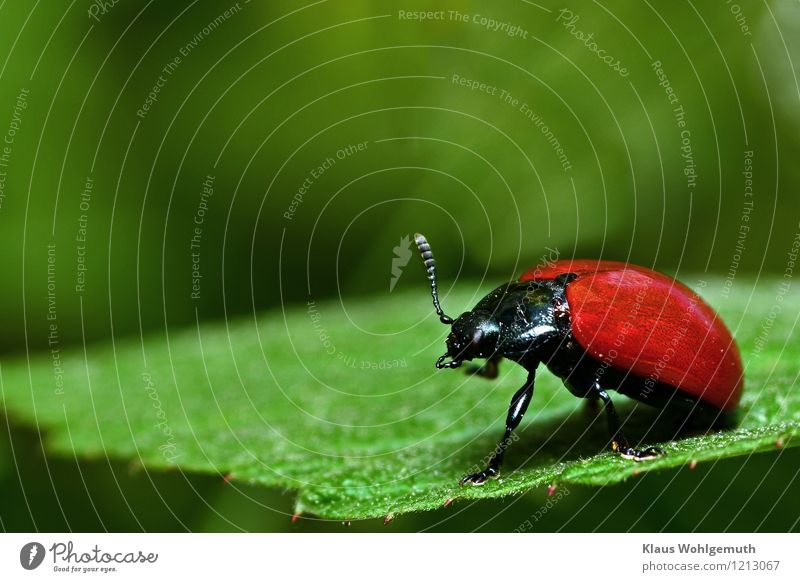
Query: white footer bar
{"x": 389, "y": 557}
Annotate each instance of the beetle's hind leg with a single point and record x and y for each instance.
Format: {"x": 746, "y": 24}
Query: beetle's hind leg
{"x": 619, "y": 444}
{"x": 489, "y": 369}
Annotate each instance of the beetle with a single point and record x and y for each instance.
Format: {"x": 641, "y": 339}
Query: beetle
{"x": 599, "y": 326}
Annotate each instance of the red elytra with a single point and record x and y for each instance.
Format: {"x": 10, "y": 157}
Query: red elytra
{"x": 640, "y": 321}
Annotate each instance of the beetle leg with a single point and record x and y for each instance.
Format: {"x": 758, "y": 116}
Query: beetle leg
{"x": 516, "y": 410}
{"x": 488, "y": 370}
{"x": 619, "y": 444}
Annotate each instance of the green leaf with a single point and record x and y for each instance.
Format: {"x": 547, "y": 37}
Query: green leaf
{"x": 340, "y": 401}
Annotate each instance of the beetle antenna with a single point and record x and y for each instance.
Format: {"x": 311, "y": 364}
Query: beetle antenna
{"x": 430, "y": 265}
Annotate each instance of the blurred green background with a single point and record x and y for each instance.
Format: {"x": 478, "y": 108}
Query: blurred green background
{"x": 497, "y": 129}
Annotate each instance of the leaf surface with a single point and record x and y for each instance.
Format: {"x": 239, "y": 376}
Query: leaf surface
{"x": 341, "y": 403}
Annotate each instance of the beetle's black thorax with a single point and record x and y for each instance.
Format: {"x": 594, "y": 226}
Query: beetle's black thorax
{"x": 533, "y": 319}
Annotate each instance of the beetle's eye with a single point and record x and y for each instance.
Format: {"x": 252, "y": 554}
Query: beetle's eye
{"x": 453, "y": 345}
{"x": 477, "y": 336}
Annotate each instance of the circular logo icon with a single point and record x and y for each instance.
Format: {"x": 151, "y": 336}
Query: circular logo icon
{"x": 31, "y": 555}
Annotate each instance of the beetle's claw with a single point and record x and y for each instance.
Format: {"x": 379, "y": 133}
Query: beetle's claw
{"x": 651, "y": 453}
{"x": 480, "y": 478}
{"x": 643, "y": 455}
{"x": 474, "y": 479}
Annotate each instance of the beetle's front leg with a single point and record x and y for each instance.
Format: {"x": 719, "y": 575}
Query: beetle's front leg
{"x": 488, "y": 370}
{"x": 516, "y": 410}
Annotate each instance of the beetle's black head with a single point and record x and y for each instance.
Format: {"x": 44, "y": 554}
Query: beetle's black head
{"x": 474, "y": 334}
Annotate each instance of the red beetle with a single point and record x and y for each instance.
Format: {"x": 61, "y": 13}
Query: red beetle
{"x": 597, "y": 325}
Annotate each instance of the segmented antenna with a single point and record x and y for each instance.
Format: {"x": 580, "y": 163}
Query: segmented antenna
{"x": 430, "y": 265}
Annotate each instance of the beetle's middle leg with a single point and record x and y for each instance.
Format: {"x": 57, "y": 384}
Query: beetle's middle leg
{"x": 516, "y": 410}
{"x": 489, "y": 369}
{"x": 619, "y": 444}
